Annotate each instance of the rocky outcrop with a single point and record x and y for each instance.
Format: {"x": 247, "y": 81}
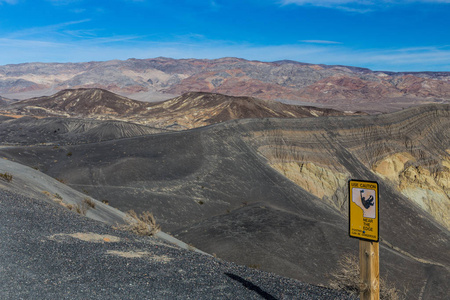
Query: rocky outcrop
{"x": 326, "y": 183}
{"x": 427, "y": 186}
{"x": 407, "y": 149}
{"x": 81, "y": 102}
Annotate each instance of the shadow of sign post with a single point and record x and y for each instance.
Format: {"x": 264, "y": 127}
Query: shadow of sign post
{"x": 251, "y": 286}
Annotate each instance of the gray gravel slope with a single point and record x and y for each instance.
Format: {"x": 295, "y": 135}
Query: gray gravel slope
{"x": 48, "y": 252}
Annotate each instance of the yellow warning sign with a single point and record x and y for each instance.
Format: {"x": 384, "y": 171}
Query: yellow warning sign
{"x": 363, "y": 210}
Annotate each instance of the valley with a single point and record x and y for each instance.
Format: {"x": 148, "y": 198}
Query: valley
{"x": 265, "y": 192}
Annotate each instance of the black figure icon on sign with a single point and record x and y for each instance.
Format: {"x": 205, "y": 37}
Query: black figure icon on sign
{"x": 366, "y": 203}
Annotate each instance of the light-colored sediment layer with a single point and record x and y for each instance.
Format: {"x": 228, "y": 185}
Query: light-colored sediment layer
{"x": 404, "y": 149}
{"x": 86, "y": 237}
{"x": 391, "y": 166}
{"x": 140, "y": 254}
{"x": 429, "y": 190}
{"x": 434, "y": 202}
{"x": 318, "y": 180}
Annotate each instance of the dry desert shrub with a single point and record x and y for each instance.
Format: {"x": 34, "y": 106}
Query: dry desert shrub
{"x": 46, "y": 193}
{"x": 63, "y": 181}
{"x": 86, "y": 204}
{"x": 89, "y": 202}
{"x": 6, "y": 176}
{"x": 143, "y": 224}
{"x": 81, "y": 209}
{"x": 347, "y": 278}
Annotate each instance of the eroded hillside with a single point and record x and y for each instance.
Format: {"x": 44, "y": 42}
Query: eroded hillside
{"x": 409, "y": 149}
{"x": 216, "y": 187}
{"x": 190, "y": 110}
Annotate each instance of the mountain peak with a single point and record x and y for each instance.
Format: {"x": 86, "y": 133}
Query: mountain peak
{"x": 83, "y": 102}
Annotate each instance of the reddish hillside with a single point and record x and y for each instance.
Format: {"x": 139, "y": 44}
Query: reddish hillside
{"x": 187, "y": 111}
{"x": 164, "y": 78}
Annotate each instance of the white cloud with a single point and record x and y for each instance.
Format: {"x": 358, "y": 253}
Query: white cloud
{"x": 9, "y": 1}
{"x": 358, "y": 6}
{"x": 15, "y": 43}
{"x": 214, "y": 5}
{"x": 358, "y": 2}
{"x": 63, "y": 2}
{"x": 42, "y": 30}
{"x": 322, "y": 2}
{"x": 78, "y": 10}
{"x": 320, "y": 42}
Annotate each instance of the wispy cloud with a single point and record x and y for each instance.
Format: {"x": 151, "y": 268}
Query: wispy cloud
{"x": 124, "y": 47}
{"x": 9, "y": 1}
{"x": 320, "y": 42}
{"x": 111, "y": 39}
{"x": 41, "y": 30}
{"x": 214, "y": 5}
{"x": 28, "y": 44}
{"x": 78, "y": 10}
{"x": 63, "y": 2}
{"x": 359, "y": 2}
{"x": 358, "y": 6}
{"x": 409, "y": 56}
{"x": 323, "y": 2}
{"x": 81, "y": 33}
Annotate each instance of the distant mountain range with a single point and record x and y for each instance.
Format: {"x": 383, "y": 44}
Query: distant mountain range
{"x": 156, "y": 79}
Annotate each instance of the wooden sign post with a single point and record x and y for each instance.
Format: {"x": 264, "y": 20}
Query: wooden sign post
{"x": 369, "y": 271}
{"x": 363, "y": 225}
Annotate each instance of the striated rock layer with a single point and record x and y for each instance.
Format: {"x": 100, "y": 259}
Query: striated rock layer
{"x": 409, "y": 149}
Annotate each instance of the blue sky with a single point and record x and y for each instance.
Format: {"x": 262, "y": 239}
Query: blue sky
{"x": 392, "y": 35}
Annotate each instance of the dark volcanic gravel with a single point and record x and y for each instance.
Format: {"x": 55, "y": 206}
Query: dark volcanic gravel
{"x": 43, "y": 256}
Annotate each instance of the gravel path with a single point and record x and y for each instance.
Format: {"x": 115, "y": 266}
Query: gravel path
{"x": 48, "y": 252}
